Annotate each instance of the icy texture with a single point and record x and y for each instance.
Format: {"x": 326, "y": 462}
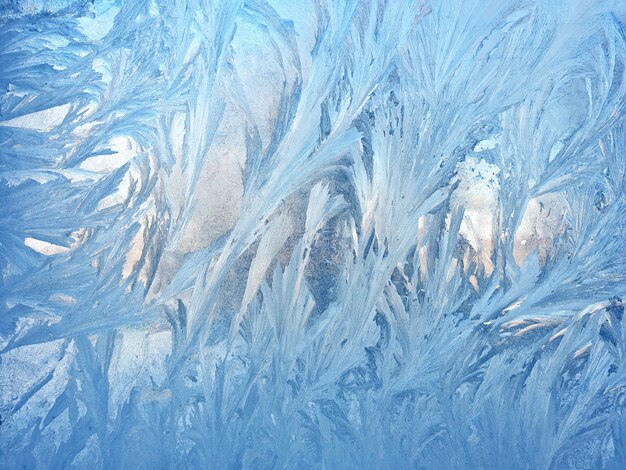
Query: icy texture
{"x": 325, "y": 234}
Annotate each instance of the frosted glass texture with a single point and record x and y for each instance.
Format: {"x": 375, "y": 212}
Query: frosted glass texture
{"x": 363, "y": 234}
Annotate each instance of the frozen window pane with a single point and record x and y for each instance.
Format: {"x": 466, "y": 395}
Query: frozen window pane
{"x": 312, "y": 234}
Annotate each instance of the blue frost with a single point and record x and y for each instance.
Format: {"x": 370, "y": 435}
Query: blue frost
{"x": 312, "y": 234}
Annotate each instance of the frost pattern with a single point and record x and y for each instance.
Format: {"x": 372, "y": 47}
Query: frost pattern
{"x": 326, "y": 234}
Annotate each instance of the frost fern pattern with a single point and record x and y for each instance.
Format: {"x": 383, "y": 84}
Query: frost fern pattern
{"x": 312, "y": 234}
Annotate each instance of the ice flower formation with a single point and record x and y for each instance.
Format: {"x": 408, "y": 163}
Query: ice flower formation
{"x": 312, "y": 234}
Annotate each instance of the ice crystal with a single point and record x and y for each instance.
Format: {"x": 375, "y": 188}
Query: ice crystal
{"x": 312, "y": 234}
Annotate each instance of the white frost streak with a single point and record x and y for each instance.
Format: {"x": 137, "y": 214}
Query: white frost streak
{"x": 45, "y": 248}
{"x": 44, "y": 120}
